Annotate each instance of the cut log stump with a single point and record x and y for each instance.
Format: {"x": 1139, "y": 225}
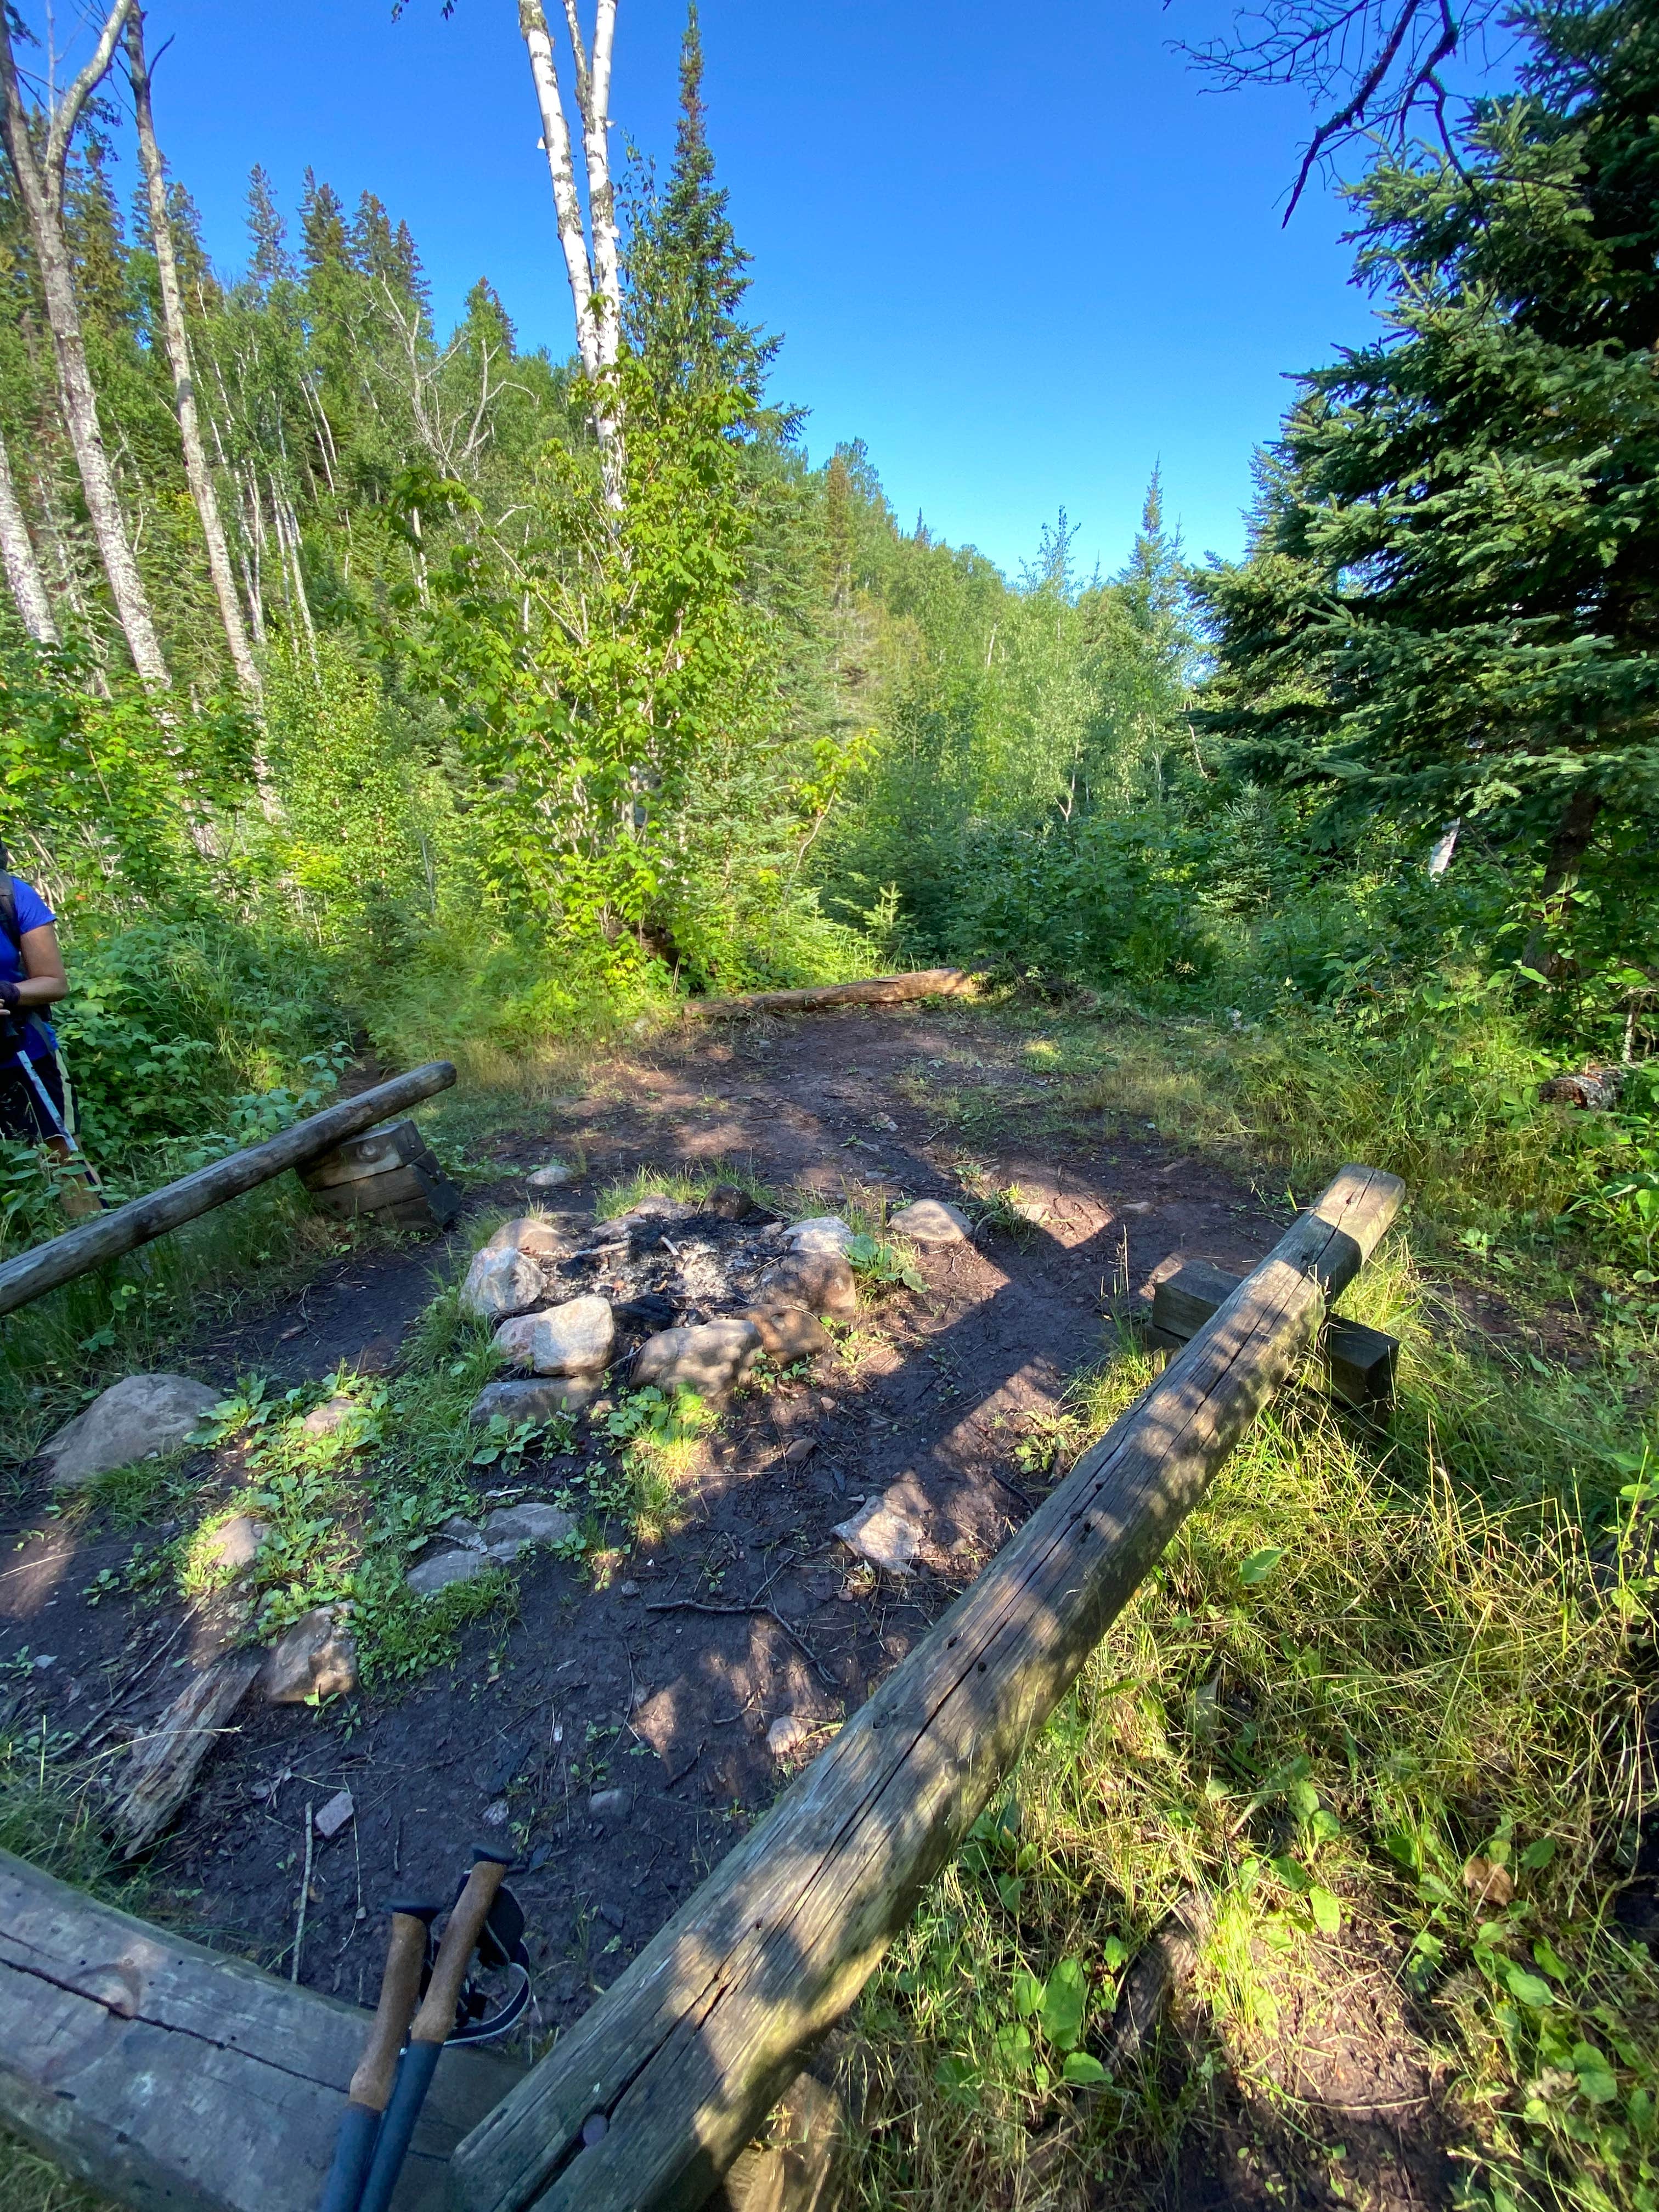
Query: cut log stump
{"x": 391, "y": 1171}
{"x": 1359, "y": 1363}
{"x": 800, "y": 2165}
{"x": 164, "y": 2075}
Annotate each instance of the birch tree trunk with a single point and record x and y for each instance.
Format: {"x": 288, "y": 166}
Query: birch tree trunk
{"x": 28, "y": 586}
{"x": 594, "y": 272}
{"x": 184, "y": 385}
{"x": 39, "y": 174}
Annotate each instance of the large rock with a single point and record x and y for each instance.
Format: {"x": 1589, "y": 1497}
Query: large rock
{"x": 730, "y": 1202}
{"x": 444, "y": 1568}
{"x": 824, "y": 1232}
{"x": 498, "y": 1284}
{"x": 138, "y": 1418}
{"x": 534, "y": 1234}
{"x": 788, "y": 1333}
{"x": 234, "y": 1545}
{"x": 708, "y": 1358}
{"x": 533, "y": 1398}
{"x": 575, "y": 1338}
{"x": 552, "y": 1175}
{"x": 339, "y": 1416}
{"x": 315, "y": 1658}
{"x": 513, "y": 1529}
{"x": 930, "y": 1221}
{"x": 823, "y": 1282}
{"x": 884, "y": 1533}
{"x": 513, "y": 1272}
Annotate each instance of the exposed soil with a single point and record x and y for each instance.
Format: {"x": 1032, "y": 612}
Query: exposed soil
{"x": 663, "y": 1686}
{"x": 1340, "y": 2106}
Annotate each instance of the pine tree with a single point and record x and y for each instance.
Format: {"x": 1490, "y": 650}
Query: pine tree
{"x": 327, "y": 244}
{"x": 268, "y": 259}
{"x": 387, "y": 256}
{"x": 687, "y": 275}
{"x": 1449, "y": 608}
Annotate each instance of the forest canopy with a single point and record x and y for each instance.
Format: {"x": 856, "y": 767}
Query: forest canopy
{"x": 360, "y": 677}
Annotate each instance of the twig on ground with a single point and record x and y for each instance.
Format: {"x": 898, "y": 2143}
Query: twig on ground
{"x": 305, "y": 1893}
{"x": 769, "y": 1613}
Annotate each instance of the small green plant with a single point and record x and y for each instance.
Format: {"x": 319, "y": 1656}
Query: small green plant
{"x": 1011, "y": 1213}
{"x": 882, "y": 1265}
{"x": 659, "y": 1434}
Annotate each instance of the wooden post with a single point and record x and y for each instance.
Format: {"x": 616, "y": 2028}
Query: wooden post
{"x": 875, "y": 991}
{"x": 105, "y": 1237}
{"x": 685, "y": 2054}
{"x": 1359, "y": 1363}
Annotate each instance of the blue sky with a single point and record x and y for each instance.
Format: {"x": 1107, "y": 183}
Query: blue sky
{"x": 1024, "y": 256}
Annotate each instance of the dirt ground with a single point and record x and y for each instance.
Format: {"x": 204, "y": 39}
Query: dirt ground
{"x": 663, "y": 1686}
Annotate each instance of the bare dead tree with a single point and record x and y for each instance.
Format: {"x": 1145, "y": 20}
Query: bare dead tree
{"x": 1371, "y": 68}
{"x": 39, "y": 163}
{"x": 454, "y": 432}
{"x": 28, "y": 586}
{"x": 593, "y": 262}
{"x": 196, "y": 471}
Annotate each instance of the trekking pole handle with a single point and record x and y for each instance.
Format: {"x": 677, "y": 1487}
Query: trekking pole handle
{"x": 435, "y": 2020}
{"x": 400, "y": 1991}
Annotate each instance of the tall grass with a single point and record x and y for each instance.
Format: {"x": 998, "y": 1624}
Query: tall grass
{"x": 1371, "y": 1660}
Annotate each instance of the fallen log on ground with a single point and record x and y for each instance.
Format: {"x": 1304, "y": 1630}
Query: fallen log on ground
{"x": 685, "y": 2054}
{"x": 165, "y": 2075}
{"x": 106, "y": 1235}
{"x": 875, "y": 991}
{"x": 163, "y": 1762}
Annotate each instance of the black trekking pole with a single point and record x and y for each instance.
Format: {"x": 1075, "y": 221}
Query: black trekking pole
{"x": 370, "y": 2085}
{"x": 433, "y": 2027}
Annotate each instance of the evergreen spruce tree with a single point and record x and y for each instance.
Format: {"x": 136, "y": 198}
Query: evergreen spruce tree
{"x": 1449, "y": 608}
{"x": 327, "y": 244}
{"x": 686, "y": 274}
{"x": 268, "y": 259}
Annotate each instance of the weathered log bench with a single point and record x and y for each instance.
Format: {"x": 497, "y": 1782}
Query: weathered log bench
{"x": 124, "y": 1228}
{"x": 169, "y": 2075}
{"x": 875, "y": 991}
{"x": 391, "y": 1172}
{"x": 1359, "y": 1363}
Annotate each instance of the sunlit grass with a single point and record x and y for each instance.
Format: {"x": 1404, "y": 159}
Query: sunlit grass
{"x": 1370, "y": 1656}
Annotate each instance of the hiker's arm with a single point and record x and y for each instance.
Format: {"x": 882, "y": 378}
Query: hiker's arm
{"x": 44, "y": 979}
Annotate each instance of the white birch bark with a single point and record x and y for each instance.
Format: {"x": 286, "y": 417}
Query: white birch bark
{"x": 593, "y": 99}
{"x": 40, "y": 171}
{"x": 28, "y": 586}
{"x": 196, "y": 471}
{"x": 594, "y": 269}
{"x": 567, "y": 208}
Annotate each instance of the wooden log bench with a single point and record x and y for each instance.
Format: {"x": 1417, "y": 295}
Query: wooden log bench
{"x": 124, "y": 1228}
{"x": 168, "y": 2075}
{"x": 873, "y": 991}
{"x": 647, "y": 2102}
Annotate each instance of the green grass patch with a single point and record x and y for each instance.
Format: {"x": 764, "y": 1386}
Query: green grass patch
{"x": 1373, "y": 1668}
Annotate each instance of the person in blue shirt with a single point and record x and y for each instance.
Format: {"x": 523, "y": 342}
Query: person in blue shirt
{"x": 32, "y": 978}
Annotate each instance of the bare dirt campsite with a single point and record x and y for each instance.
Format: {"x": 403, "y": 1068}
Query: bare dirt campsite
{"x": 829, "y": 1167}
{"x": 657, "y": 1646}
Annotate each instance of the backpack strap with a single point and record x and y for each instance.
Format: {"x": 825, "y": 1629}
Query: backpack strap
{"x": 8, "y": 913}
